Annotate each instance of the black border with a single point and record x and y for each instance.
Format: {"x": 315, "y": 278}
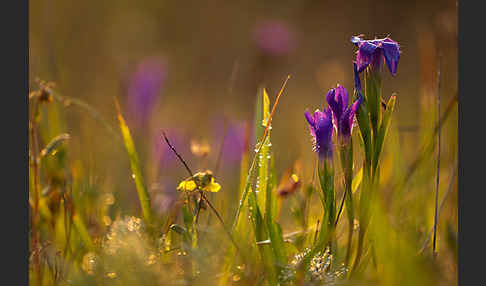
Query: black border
{"x": 471, "y": 143}
{"x": 14, "y": 210}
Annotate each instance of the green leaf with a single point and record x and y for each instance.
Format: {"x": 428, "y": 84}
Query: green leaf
{"x": 259, "y": 130}
{"x": 385, "y": 124}
{"x": 188, "y": 217}
{"x": 326, "y": 179}
{"x": 274, "y": 229}
{"x": 256, "y": 217}
{"x": 143, "y": 194}
{"x": 272, "y": 189}
{"x": 372, "y": 80}
{"x": 261, "y": 235}
{"x": 357, "y": 180}
{"x": 258, "y": 119}
{"x": 362, "y": 116}
{"x": 264, "y": 156}
{"x": 191, "y": 237}
{"x": 83, "y": 231}
{"x": 277, "y": 242}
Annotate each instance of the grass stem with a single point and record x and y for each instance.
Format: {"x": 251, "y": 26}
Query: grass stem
{"x": 434, "y": 243}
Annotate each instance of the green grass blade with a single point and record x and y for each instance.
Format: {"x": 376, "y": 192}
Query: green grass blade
{"x": 142, "y": 191}
{"x": 263, "y": 157}
{"x": 385, "y": 124}
{"x": 357, "y": 180}
{"x": 326, "y": 179}
{"x": 362, "y": 116}
{"x": 253, "y": 163}
{"x": 258, "y": 119}
{"x": 372, "y": 82}
{"x": 261, "y": 235}
{"x": 82, "y": 231}
{"x": 274, "y": 230}
{"x": 259, "y": 129}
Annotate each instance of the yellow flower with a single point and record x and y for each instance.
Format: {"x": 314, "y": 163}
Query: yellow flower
{"x": 187, "y": 186}
{"x": 205, "y": 181}
{"x": 212, "y": 186}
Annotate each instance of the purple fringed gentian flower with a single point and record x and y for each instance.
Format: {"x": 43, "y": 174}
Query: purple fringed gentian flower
{"x": 343, "y": 116}
{"x": 374, "y": 52}
{"x": 321, "y": 128}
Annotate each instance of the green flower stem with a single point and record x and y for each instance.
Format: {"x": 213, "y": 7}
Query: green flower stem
{"x": 372, "y": 80}
{"x": 346, "y": 152}
{"x": 328, "y": 197}
{"x": 373, "y": 130}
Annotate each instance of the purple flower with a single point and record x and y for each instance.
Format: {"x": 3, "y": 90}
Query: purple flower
{"x": 144, "y": 87}
{"x": 343, "y": 116}
{"x": 357, "y": 80}
{"x": 274, "y": 38}
{"x": 165, "y": 159}
{"x": 234, "y": 139}
{"x": 320, "y": 125}
{"x": 374, "y": 52}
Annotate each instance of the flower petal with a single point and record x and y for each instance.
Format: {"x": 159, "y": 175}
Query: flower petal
{"x": 187, "y": 186}
{"x": 324, "y": 131}
{"x": 333, "y": 105}
{"x": 213, "y": 186}
{"x": 365, "y": 54}
{"x": 391, "y": 50}
{"x": 348, "y": 118}
{"x": 375, "y": 52}
{"x": 309, "y": 118}
{"x": 357, "y": 80}
{"x": 312, "y": 122}
{"x": 342, "y": 97}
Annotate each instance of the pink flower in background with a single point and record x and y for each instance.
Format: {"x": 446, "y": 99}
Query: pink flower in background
{"x": 274, "y": 38}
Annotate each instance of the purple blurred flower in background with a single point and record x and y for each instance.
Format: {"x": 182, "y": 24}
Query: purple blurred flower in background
{"x": 165, "y": 158}
{"x": 234, "y": 141}
{"x": 320, "y": 125}
{"x": 274, "y": 38}
{"x": 343, "y": 116}
{"x": 144, "y": 88}
{"x": 374, "y": 52}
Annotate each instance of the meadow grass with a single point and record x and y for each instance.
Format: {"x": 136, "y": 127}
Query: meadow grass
{"x": 365, "y": 216}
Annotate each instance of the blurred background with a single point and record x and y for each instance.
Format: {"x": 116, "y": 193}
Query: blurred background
{"x": 193, "y": 68}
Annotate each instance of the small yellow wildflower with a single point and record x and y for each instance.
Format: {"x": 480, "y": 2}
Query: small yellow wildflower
{"x": 204, "y": 180}
{"x": 187, "y": 186}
